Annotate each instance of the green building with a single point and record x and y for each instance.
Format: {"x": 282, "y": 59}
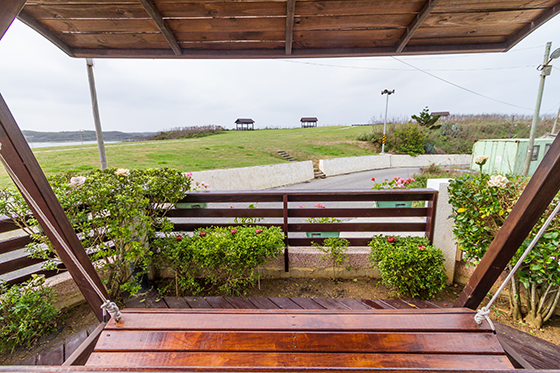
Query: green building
{"x": 507, "y": 156}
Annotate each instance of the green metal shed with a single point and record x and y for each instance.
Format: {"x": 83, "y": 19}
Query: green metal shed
{"x": 507, "y": 156}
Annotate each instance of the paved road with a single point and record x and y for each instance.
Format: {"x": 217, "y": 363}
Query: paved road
{"x": 358, "y": 180}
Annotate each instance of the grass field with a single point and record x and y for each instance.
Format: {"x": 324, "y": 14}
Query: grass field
{"x": 230, "y": 149}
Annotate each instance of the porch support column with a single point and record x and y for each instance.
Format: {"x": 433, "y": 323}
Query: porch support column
{"x": 48, "y": 211}
{"x": 9, "y": 9}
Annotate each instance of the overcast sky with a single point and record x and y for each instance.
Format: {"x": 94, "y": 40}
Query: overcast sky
{"x": 48, "y": 91}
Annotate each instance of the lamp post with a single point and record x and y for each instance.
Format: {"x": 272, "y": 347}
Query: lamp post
{"x": 545, "y": 69}
{"x": 388, "y": 93}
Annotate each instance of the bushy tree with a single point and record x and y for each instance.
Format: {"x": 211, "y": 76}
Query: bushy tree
{"x": 481, "y": 203}
{"x": 425, "y": 119}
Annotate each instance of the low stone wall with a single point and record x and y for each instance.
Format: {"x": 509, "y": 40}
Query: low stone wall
{"x": 339, "y": 166}
{"x": 256, "y": 178}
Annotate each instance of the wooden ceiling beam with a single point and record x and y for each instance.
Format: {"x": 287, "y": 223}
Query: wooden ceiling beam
{"x": 420, "y": 18}
{"x": 158, "y": 19}
{"x": 532, "y": 204}
{"x": 280, "y": 53}
{"x": 529, "y": 28}
{"x": 9, "y": 9}
{"x": 48, "y": 34}
{"x": 290, "y": 18}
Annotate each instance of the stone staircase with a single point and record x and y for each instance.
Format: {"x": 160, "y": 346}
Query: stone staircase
{"x": 286, "y": 156}
{"x": 319, "y": 174}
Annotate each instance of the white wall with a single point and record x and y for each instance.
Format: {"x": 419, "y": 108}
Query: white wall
{"x": 339, "y": 166}
{"x": 256, "y": 178}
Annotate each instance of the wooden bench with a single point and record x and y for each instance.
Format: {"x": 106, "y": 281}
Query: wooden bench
{"x": 236, "y": 339}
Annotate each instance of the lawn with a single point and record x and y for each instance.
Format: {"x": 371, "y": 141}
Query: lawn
{"x": 230, "y": 149}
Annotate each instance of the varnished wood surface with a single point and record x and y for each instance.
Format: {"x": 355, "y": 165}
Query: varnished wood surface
{"x": 299, "y": 28}
{"x": 297, "y": 332}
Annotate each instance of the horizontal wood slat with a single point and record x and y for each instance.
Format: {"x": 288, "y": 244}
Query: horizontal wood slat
{"x": 294, "y": 213}
{"x": 12, "y": 244}
{"x": 18, "y": 263}
{"x": 6, "y": 224}
{"x": 259, "y": 321}
{"x": 239, "y": 359}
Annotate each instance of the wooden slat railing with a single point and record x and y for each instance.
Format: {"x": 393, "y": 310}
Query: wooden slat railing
{"x": 278, "y": 208}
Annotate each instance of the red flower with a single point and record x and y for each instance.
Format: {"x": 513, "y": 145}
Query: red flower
{"x": 391, "y": 239}
{"x": 178, "y": 238}
{"x": 372, "y": 179}
{"x": 258, "y": 230}
{"x": 421, "y": 247}
{"x": 234, "y": 231}
{"x": 202, "y": 233}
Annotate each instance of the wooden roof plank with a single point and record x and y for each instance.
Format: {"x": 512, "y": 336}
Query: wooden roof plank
{"x": 156, "y": 17}
{"x": 290, "y": 14}
{"x": 411, "y": 29}
{"x": 532, "y": 26}
{"x": 46, "y": 32}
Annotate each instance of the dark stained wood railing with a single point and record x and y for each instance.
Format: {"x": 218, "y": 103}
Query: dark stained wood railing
{"x": 277, "y": 208}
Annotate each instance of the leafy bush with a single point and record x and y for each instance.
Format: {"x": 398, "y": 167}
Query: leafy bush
{"x": 335, "y": 250}
{"x": 410, "y": 265}
{"x": 408, "y": 140}
{"x": 451, "y": 129}
{"x": 219, "y": 258}
{"x": 116, "y": 212}
{"x": 186, "y": 132}
{"x": 481, "y": 203}
{"x": 26, "y": 313}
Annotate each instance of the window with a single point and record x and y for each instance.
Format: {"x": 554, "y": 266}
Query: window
{"x": 535, "y": 155}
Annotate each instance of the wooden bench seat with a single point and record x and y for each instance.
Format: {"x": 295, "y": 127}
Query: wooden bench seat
{"x": 230, "y": 339}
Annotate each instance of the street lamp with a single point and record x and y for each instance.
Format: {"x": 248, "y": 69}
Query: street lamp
{"x": 388, "y": 93}
{"x": 545, "y": 69}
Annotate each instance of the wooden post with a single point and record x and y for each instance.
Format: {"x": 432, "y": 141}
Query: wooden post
{"x": 97, "y": 120}
{"x": 22, "y": 162}
{"x": 9, "y": 9}
{"x": 285, "y": 229}
{"x": 536, "y": 197}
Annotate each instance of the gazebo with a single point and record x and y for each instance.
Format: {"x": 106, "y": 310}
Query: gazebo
{"x": 243, "y": 124}
{"x": 307, "y": 122}
{"x": 281, "y": 340}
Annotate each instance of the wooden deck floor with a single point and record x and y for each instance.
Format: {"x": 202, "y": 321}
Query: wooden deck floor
{"x": 233, "y": 333}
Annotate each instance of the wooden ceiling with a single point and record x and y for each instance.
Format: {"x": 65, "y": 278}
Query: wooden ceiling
{"x": 283, "y": 28}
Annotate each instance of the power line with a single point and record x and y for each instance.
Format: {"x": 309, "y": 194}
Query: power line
{"x": 390, "y": 69}
{"x": 460, "y": 87}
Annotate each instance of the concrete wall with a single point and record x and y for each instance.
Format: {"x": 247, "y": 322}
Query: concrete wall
{"x": 443, "y": 227}
{"x": 256, "y": 178}
{"x": 339, "y": 166}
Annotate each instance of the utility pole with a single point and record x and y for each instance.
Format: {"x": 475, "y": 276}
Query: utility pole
{"x": 555, "y": 122}
{"x": 545, "y": 71}
{"x": 95, "y": 108}
{"x": 388, "y": 93}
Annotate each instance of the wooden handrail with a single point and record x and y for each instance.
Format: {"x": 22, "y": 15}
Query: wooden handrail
{"x": 281, "y": 208}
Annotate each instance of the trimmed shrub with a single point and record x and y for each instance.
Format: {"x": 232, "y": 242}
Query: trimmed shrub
{"x": 410, "y": 265}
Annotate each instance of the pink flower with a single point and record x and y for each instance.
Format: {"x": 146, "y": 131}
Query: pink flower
{"x": 234, "y": 231}
{"x": 391, "y": 239}
{"x": 257, "y": 231}
{"x": 189, "y": 175}
{"x": 202, "y": 233}
{"x": 320, "y": 206}
{"x": 178, "y": 238}
{"x": 421, "y": 247}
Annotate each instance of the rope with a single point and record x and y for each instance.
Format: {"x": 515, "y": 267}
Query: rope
{"x": 107, "y": 305}
{"x": 483, "y": 313}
